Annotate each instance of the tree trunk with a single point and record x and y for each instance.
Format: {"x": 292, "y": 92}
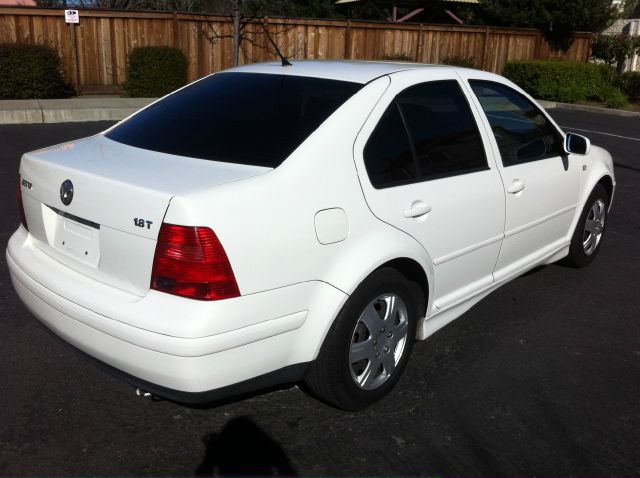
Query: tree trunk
{"x": 235, "y": 58}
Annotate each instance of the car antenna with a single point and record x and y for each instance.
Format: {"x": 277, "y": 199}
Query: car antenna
{"x": 284, "y": 61}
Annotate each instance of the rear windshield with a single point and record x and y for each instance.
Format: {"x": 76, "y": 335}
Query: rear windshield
{"x": 243, "y": 118}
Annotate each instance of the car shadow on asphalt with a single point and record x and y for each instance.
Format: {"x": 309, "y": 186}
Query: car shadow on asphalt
{"x": 242, "y": 448}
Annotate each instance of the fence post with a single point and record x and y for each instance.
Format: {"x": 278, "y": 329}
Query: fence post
{"x": 420, "y": 45}
{"x": 235, "y": 44}
{"x": 536, "y": 52}
{"x": 347, "y": 41}
{"x": 265, "y": 40}
{"x": 174, "y": 26}
{"x": 588, "y": 53}
{"x": 485, "y": 47}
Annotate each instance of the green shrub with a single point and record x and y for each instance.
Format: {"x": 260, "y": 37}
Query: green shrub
{"x": 459, "y": 61}
{"x": 630, "y": 82}
{"x": 397, "y": 58}
{"x": 614, "y": 98}
{"x": 564, "y": 81}
{"x": 31, "y": 71}
{"x": 155, "y": 71}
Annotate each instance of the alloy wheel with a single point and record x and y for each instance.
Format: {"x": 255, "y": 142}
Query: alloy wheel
{"x": 593, "y": 227}
{"x": 378, "y": 341}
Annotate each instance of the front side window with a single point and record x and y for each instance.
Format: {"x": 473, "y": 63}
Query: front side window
{"x": 522, "y": 132}
{"x": 244, "y": 118}
{"x": 427, "y": 132}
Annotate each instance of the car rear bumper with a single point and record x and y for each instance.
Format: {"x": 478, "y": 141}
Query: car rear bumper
{"x": 272, "y": 345}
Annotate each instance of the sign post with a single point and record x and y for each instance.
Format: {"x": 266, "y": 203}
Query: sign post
{"x": 72, "y": 17}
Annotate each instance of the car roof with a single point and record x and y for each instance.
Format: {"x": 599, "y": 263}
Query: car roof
{"x": 345, "y": 70}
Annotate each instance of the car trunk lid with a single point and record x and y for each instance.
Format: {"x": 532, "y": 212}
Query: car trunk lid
{"x": 120, "y": 195}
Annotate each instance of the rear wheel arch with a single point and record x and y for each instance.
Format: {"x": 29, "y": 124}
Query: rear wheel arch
{"x": 332, "y": 376}
{"x": 414, "y": 272}
{"x": 410, "y": 268}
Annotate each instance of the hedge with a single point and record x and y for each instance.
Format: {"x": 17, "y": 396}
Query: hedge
{"x": 631, "y": 85}
{"x": 155, "y": 71}
{"x": 566, "y": 81}
{"x": 459, "y": 61}
{"x": 31, "y": 72}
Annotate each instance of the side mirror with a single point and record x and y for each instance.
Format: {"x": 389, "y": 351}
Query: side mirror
{"x": 576, "y": 144}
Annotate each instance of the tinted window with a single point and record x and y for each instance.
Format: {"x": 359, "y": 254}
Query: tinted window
{"x": 241, "y": 118}
{"x": 442, "y": 129}
{"x": 427, "y": 132}
{"x": 387, "y": 155}
{"x": 522, "y": 132}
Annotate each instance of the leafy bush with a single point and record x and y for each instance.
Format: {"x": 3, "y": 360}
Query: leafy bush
{"x": 30, "y": 72}
{"x": 155, "y": 71}
{"x": 397, "y": 58}
{"x": 614, "y": 98}
{"x": 459, "y": 61}
{"x": 564, "y": 81}
{"x": 631, "y": 85}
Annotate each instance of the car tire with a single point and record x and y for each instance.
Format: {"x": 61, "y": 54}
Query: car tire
{"x": 361, "y": 359}
{"x": 589, "y": 232}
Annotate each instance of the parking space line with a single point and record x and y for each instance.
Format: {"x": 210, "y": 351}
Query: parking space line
{"x": 600, "y": 132}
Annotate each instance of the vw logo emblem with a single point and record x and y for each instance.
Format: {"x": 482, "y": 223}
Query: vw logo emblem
{"x": 66, "y": 192}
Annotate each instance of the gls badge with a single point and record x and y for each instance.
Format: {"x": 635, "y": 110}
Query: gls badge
{"x": 66, "y": 192}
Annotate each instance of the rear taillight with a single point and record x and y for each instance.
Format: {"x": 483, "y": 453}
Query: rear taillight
{"x": 191, "y": 262}
{"x": 23, "y": 218}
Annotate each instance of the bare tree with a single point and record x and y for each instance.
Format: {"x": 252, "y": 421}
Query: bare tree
{"x": 247, "y": 24}
{"x": 160, "y": 5}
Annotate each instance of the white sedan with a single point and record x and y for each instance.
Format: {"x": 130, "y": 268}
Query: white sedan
{"x": 274, "y": 224}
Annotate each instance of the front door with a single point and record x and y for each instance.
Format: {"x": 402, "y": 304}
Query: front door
{"x": 541, "y": 184}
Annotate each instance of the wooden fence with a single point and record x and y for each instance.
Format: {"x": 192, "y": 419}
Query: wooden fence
{"x": 94, "y": 52}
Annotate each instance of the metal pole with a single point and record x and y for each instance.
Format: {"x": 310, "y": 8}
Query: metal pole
{"x": 74, "y": 58}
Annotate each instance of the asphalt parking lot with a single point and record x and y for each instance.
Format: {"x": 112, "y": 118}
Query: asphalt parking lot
{"x": 540, "y": 378}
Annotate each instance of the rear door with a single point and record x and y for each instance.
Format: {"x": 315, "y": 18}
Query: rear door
{"x": 424, "y": 169}
{"x": 541, "y": 184}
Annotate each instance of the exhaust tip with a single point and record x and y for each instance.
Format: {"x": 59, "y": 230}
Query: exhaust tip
{"x": 140, "y": 392}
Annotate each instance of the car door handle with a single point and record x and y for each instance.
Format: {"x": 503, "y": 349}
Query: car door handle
{"x": 417, "y": 209}
{"x": 516, "y": 187}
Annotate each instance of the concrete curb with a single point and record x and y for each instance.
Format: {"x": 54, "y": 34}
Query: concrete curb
{"x": 588, "y": 109}
{"x": 115, "y": 109}
{"x": 69, "y": 110}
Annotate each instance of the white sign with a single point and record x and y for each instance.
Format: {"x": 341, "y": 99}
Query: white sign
{"x": 72, "y": 16}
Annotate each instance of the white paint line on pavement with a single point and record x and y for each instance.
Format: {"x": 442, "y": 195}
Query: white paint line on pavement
{"x": 600, "y": 132}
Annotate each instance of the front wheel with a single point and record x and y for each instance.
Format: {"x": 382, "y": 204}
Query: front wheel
{"x": 590, "y": 229}
{"x": 369, "y": 343}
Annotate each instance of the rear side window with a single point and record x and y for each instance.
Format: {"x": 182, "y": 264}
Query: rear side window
{"x": 522, "y": 132}
{"x": 244, "y": 118}
{"x": 428, "y": 132}
{"x": 388, "y": 156}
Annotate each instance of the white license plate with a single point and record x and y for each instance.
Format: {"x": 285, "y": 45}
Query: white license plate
{"x": 81, "y": 241}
